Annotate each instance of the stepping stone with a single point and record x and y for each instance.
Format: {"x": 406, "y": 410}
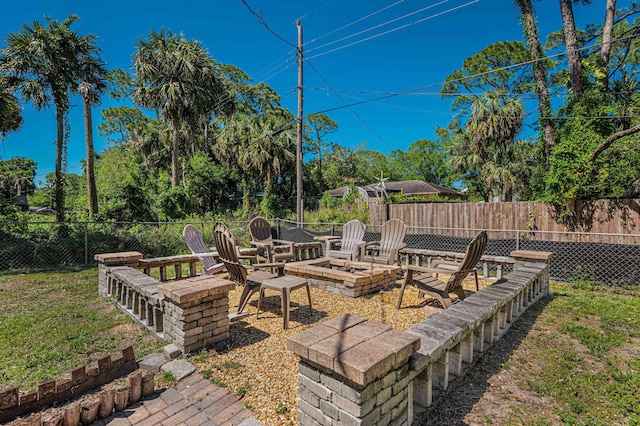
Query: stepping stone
{"x": 180, "y": 368}
{"x": 152, "y": 362}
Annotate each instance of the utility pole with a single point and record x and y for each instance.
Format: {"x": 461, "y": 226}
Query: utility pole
{"x": 299, "y": 207}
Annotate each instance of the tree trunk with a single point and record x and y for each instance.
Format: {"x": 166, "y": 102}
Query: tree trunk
{"x": 59, "y": 188}
{"x": 542, "y": 89}
{"x": 607, "y": 36}
{"x": 571, "y": 42}
{"x": 174, "y": 153}
{"x": 611, "y": 139}
{"x": 91, "y": 177}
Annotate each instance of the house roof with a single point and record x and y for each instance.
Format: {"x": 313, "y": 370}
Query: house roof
{"x": 417, "y": 187}
{"x": 408, "y": 187}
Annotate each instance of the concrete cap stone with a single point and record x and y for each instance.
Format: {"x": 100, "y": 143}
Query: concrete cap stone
{"x": 531, "y": 255}
{"x": 401, "y": 343}
{"x": 367, "y": 330}
{"x": 195, "y": 288}
{"x": 344, "y": 322}
{"x": 299, "y": 343}
{"x": 115, "y": 258}
{"x": 365, "y": 362}
{"x": 325, "y": 351}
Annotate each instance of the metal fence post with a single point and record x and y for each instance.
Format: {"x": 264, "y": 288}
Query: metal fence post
{"x": 517, "y": 240}
{"x": 86, "y": 244}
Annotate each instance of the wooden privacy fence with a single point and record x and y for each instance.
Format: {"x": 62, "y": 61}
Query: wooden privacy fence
{"x": 590, "y": 216}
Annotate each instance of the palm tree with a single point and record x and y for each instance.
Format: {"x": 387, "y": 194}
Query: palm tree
{"x": 45, "y": 64}
{"x": 271, "y": 149}
{"x": 494, "y": 123}
{"x": 178, "y": 77}
{"x": 10, "y": 113}
{"x": 90, "y": 96}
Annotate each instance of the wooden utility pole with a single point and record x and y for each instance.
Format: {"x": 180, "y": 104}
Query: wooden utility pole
{"x": 299, "y": 207}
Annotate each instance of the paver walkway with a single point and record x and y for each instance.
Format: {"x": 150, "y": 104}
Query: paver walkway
{"x": 195, "y": 401}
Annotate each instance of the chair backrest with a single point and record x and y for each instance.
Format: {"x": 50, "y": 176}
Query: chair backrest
{"x": 473, "y": 253}
{"x": 195, "y": 242}
{"x": 352, "y": 234}
{"x": 260, "y": 230}
{"x": 392, "y": 235}
{"x": 226, "y": 246}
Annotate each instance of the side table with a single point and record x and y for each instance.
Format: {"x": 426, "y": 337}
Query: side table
{"x": 285, "y": 285}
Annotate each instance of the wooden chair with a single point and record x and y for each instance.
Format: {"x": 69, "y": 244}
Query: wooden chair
{"x": 195, "y": 242}
{"x": 238, "y": 271}
{"x": 426, "y": 281}
{"x": 271, "y": 249}
{"x": 349, "y": 246}
{"x": 391, "y": 241}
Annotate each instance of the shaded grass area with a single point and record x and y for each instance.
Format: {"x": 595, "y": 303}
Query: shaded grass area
{"x": 55, "y": 321}
{"x": 573, "y": 358}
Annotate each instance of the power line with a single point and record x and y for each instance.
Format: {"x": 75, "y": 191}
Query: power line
{"x": 313, "y": 11}
{"x": 263, "y": 22}
{"x": 350, "y": 109}
{"x": 377, "y": 26}
{"x": 394, "y": 29}
{"x": 354, "y": 22}
{"x": 428, "y": 86}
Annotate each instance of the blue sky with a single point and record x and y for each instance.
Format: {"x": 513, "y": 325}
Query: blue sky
{"x": 433, "y": 43}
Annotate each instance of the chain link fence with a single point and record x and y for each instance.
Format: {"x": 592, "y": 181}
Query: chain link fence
{"x": 609, "y": 259}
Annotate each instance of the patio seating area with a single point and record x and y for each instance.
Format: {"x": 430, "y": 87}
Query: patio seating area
{"x": 253, "y": 338}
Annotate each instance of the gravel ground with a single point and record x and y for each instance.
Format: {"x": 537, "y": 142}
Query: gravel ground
{"x": 256, "y": 365}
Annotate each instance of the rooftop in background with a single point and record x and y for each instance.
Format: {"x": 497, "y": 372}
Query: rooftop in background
{"x": 407, "y": 187}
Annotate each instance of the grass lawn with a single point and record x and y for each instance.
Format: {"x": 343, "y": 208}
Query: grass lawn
{"x": 573, "y": 358}
{"x": 52, "y": 322}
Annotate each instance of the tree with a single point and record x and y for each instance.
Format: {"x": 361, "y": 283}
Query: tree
{"x": 90, "y": 89}
{"x": 10, "y": 111}
{"x": 542, "y": 90}
{"x": 571, "y": 42}
{"x": 318, "y": 127}
{"x": 178, "y": 77}
{"x": 16, "y": 176}
{"x": 44, "y": 64}
{"x": 494, "y": 123}
{"x": 423, "y": 160}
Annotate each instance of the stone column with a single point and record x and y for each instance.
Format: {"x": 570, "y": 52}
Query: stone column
{"x": 353, "y": 371}
{"x": 106, "y": 261}
{"x": 539, "y": 259}
{"x": 196, "y": 311}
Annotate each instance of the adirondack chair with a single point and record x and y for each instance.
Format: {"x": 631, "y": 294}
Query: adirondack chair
{"x": 238, "y": 271}
{"x": 426, "y": 281}
{"x": 386, "y": 250}
{"x": 271, "y": 249}
{"x": 349, "y": 246}
{"x": 195, "y": 242}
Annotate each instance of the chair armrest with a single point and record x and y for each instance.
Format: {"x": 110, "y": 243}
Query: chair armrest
{"x": 364, "y": 247}
{"x": 264, "y": 265}
{"x": 285, "y": 243}
{"x": 334, "y": 243}
{"x": 260, "y": 244}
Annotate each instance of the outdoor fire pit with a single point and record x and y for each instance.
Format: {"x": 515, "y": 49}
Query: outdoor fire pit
{"x": 344, "y": 277}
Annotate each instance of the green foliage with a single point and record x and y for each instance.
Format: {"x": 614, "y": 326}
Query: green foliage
{"x": 16, "y": 176}
{"x": 338, "y": 210}
{"x": 174, "y": 204}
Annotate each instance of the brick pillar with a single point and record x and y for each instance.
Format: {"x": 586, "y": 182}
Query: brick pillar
{"x": 353, "y": 371}
{"x": 196, "y": 311}
{"x": 106, "y": 261}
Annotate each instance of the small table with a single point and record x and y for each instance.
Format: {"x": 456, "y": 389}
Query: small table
{"x": 327, "y": 239}
{"x": 285, "y": 285}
